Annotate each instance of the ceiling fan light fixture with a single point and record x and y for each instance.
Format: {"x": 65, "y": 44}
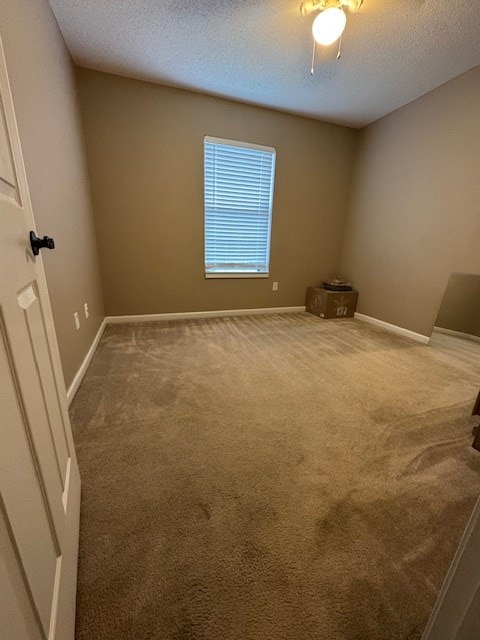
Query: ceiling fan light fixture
{"x": 329, "y": 25}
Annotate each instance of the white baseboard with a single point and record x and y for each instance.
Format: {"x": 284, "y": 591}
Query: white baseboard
{"x": 457, "y": 334}
{"x": 188, "y": 315}
{"x": 392, "y": 328}
{"x": 73, "y": 388}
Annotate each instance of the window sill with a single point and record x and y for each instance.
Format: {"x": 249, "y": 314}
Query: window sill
{"x": 209, "y": 276}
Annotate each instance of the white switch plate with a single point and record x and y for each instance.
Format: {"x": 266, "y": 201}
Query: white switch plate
{"x": 85, "y": 308}
{"x": 275, "y": 286}
{"x": 76, "y": 317}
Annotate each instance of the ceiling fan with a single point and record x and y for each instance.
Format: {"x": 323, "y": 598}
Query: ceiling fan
{"x": 330, "y": 23}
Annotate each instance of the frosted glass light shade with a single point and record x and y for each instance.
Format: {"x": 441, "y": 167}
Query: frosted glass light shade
{"x": 328, "y": 26}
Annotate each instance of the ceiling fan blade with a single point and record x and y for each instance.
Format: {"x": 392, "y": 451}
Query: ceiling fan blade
{"x": 380, "y": 6}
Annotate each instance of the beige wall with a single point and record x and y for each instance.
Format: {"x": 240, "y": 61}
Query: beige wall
{"x": 145, "y": 151}
{"x": 460, "y": 308}
{"x": 43, "y": 87}
{"x": 414, "y": 214}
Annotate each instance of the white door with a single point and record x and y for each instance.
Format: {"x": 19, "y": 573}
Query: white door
{"x": 39, "y": 479}
{"x": 456, "y": 615}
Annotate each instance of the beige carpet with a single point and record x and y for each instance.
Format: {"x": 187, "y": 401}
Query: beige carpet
{"x": 270, "y": 478}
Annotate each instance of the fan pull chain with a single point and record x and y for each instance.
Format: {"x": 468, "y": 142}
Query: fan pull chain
{"x": 312, "y": 71}
{"x": 339, "y": 52}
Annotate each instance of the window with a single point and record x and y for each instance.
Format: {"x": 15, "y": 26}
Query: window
{"x": 238, "y": 208}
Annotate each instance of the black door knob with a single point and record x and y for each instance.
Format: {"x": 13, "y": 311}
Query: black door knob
{"x": 40, "y": 243}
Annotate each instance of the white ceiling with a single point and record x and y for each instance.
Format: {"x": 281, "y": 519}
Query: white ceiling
{"x": 259, "y": 51}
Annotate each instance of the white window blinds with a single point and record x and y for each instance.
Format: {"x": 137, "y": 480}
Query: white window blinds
{"x": 238, "y": 207}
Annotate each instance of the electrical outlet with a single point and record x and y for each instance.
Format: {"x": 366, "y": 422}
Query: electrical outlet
{"x": 76, "y": 317}
{"x": 85, "y": 308}
{"x": 275, "y": 286}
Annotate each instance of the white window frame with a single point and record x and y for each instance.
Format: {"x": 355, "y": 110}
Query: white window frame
{"x": 244, "y": 145}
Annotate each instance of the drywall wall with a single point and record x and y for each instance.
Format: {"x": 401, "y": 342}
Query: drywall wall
{"x": 145, "y": 151}
{"x": 51, "y": 134}
{"x": 460, "y": 308}
{"x": 470, "y": 627}
{"x": 414, "y": 214}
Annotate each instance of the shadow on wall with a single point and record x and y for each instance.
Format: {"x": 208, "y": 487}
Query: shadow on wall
{"x": 460, "y": 309}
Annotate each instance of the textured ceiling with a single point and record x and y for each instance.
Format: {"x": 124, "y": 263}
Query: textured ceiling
{"x": 259, "y": 51}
